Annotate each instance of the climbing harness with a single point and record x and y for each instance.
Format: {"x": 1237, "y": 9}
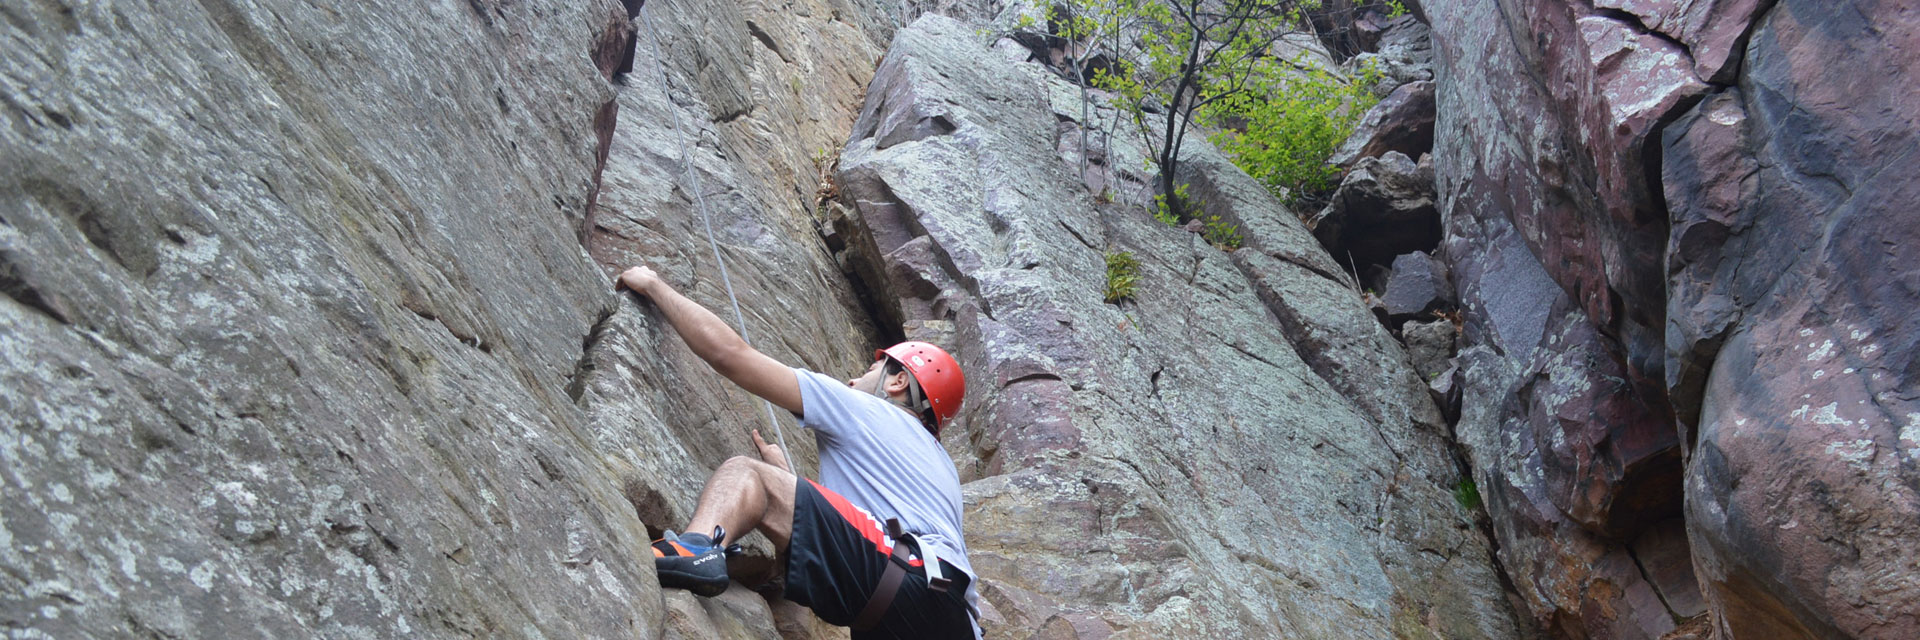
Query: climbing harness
{"x": 700, "y": 198}
{"x": 883, "y": 593}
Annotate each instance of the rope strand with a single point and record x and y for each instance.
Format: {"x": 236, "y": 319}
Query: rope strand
{"x": 700, "y": 198}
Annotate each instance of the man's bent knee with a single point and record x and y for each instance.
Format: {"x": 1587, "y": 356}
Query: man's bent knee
{"x": 740, "y": 463}
{"x": 755, "y": 466}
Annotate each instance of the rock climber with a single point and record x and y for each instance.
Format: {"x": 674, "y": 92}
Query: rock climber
{"x": 880, "y": 461}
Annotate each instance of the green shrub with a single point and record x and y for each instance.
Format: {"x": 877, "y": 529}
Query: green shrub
{"x": 1123, "y": 271}
{"x": 1166, "y": 209}
{"x": 1223, "y": 236}
{"x": 1295, "y": 117}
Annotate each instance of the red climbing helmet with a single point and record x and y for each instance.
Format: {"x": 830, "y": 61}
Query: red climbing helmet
{"x": 935, "y": 373}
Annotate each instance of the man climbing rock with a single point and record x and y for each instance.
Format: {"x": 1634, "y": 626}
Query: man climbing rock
{"x": 880, "y": 461}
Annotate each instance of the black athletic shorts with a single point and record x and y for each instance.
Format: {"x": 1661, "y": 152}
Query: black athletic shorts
{"x": 835, "y": 559}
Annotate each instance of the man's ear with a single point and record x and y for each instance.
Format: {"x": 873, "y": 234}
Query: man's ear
{"x": 896, "y": 383}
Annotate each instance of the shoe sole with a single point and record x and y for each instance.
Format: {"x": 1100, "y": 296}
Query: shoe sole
{"x": 700, "y": 585}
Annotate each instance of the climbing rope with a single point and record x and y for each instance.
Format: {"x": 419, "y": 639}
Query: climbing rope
{"x": 700, "y": 198}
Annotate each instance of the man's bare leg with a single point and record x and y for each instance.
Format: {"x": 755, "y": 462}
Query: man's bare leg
{"x": 745, "y": 494}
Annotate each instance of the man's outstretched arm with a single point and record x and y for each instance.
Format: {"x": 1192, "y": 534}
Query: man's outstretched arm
{"x": 716, "y": 343}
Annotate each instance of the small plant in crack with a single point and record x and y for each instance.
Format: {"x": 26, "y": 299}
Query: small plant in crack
{"x": 1123, "y": 272}
{"x": 825, "y": 162}
{"x": 1467, "y": 494}
{"x": 1223, "y": 236}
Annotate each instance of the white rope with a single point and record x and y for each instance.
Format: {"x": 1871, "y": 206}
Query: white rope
{"x": 700, "y": 197}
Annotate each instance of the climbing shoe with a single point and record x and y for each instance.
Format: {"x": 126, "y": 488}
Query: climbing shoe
{"x": 692, "y": 561}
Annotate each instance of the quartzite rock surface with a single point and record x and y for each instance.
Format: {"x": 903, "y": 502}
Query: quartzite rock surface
{"x": 294, "y": 294}
{"x": 1174, "y": 468}
{"x": 1549, "y": 110}
{"x": 293, "y": 340}
{"x": 1546, "y": 421}
{"x": 661, "y": 417}
{"x": 1553, "y": 235}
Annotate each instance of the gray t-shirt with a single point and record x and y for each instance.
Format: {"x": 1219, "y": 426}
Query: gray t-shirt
{"x": 879, "y": 457}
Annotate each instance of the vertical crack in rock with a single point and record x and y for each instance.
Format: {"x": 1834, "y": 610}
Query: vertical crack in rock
{"x": 1482, "y": 519}
{"x": 1686, "y": 391}
{"x": 584, "y": 367}
{"x": 1647, "y": 577}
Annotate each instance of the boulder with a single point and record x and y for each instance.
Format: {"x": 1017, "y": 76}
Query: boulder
{"x": 1418, "y": 285}
{"x": 1383, "y": 208}
{"x": 1405, "y": 55}
{"x": 1402, "y": 123}
{"x": 1430, "y": 347}
{"x": 1350, "y": 28}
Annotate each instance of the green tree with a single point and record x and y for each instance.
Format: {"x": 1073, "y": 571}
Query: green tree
{"x": 1196, "y": 53}
{"x": 1181, "y": 63}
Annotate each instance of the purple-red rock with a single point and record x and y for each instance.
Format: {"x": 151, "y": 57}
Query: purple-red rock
{"x": 1793, "y": 257}
{"x": 1549, "y": 112}
{"x": 1740, "y": 248}
{"x": 1711, "y": 29}
{"x": 1539, "y": 398}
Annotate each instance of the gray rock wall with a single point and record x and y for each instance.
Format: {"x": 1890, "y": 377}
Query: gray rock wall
{"x": 1239, "y": 452}
{"x": 294, "y": 295}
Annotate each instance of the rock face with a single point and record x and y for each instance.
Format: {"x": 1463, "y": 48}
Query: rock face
{"x": 1691, "y": 249}
{"x": 308, "y": 329}
{"x": 1556, "y": 439}
{"x": 1127, "y": 466}
{"x": 297, "y": 299}
{"x": 1791, "y": 266}
{"x": 273, "y": 364}
{"x": 309, "y": 332}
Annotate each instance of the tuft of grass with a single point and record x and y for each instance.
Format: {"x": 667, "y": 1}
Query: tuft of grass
{"x": 1465, "y": 493}
{"x": 1123, "y": 271}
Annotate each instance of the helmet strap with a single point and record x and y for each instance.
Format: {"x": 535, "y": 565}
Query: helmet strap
{"x": 917, "y": 402}
{"x": 880, "y": 386}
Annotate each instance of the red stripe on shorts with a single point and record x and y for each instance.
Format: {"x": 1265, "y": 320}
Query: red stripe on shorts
{"x": 862, "y": 521}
